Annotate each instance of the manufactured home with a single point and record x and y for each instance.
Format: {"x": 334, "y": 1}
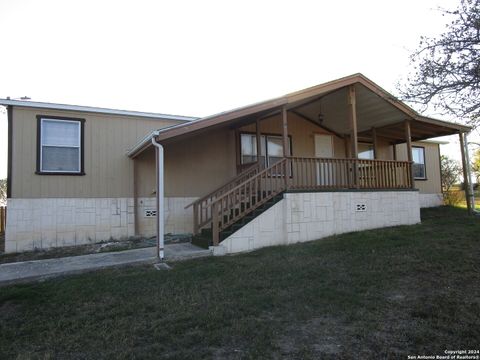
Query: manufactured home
{"x": 338, "y": 157}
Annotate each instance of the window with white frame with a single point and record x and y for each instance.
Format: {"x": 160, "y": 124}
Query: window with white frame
{"x": 418, "y": 155}
{"x": 60, "y": 145}
{"x": 271, "y": 149}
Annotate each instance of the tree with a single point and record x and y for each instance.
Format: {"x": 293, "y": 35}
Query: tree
{"x": 476, "y": 165}
{"x": 447, "y": 68}
{"x": 450, "y": 172}
{"x": 3, "y": 191}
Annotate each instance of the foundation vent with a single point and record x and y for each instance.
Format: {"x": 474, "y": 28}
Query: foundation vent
{"x": 150, "y": 213}
{"x": 361, "y": 207}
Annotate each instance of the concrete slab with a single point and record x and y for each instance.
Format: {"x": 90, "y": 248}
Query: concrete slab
{"x": 26, "y": 271}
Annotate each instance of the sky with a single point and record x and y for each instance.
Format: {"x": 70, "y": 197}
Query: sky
{"x": 202, "y": 57}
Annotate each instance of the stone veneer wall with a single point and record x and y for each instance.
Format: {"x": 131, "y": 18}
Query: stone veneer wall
{"x": 430, "y": 200}
{"x": 303, "y": 217}
{"x": 178, "y": 220}
{"x": 56, "y": 222}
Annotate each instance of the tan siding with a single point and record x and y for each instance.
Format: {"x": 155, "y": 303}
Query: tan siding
{"x": 432, "y": 162}
{"x": 385, "y": 150}
{"x": 201, "y": 163}
{"x": 302, "y": 133}
{"x": 108, "y": 169}
{"x": 196, "y": 166}
{"x": 193, "y": 166}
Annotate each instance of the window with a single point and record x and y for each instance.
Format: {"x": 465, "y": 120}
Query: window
{"x": 365, "y": 151}
{"x": 249, "y": 149}
{"x": 418, "y": 155}
{"x": 60, "y": 146}
{"x": 271, "y": 149}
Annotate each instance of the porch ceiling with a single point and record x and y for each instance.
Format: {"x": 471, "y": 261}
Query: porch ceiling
{"x": 372, "y": 110}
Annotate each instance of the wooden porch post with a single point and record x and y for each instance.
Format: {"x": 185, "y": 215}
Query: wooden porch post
{"x": 352, "y": 114}
{"x": 375, "y": 143}
{"x": 466, "y": 180}
{"x": 238, "y": 150}
{"x": 259, "y": 141}
{"x": 408, "y": 139}
{"x": 285, "y": 142}
{"x": 285, "y": 131}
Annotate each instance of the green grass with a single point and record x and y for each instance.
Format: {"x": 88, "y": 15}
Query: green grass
{"x": 376, "y": 294}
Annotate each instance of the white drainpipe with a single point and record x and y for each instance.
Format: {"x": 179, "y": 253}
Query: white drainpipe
{"x": 160, "y": 198}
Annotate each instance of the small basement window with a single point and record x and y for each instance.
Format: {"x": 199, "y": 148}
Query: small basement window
{"x": 418, "y": 155}
{"x": 60, "y": 146}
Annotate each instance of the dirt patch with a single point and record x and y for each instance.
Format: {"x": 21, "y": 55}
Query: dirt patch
{"x": 100, "y": 247}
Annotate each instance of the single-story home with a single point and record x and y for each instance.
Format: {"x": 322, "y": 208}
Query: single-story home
{"x": 338, "y": 157}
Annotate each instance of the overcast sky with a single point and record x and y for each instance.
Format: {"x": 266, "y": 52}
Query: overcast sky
{"x": 201, "y": 57}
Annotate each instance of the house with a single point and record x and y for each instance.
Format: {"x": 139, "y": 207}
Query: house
{"x": 338, "y": 157}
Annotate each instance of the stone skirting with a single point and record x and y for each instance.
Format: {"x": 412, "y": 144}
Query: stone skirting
{"x": 56, "y": 222}
{"x": 46, "y": 223}
{"x": 430, "y": 200}
{"x": 303, "y": 217}
{"x": 178, "y": 220}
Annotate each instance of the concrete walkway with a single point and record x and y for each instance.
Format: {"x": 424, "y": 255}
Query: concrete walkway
{"x": 41, "y": 269}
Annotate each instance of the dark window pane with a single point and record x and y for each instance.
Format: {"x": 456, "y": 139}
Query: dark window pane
{"x": 419, "y": 171}
{"x": 60, "y": 159}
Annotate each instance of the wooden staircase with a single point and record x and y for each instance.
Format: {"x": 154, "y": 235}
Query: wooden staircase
{"x": 227, "y": 209}
{"x": 204, "y": 237}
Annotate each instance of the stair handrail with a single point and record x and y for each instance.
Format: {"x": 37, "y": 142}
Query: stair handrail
{"x": 277, "y": 177}
{"x": 251, "y": 170}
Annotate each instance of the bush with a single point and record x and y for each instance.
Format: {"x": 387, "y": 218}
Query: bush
{"x": 453, "y": 197}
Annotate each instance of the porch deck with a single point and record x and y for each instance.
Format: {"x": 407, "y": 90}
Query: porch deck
{"x": 255, "y": 187}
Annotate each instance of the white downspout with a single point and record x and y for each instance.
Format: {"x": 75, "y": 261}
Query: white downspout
{"x": 470, "y": 185}
{"x": 160, "y": 198}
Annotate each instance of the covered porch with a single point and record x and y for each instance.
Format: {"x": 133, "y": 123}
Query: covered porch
{"x": 344, "y": 135}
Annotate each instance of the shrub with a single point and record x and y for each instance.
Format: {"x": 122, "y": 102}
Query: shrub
{"x": 453, "y": 197}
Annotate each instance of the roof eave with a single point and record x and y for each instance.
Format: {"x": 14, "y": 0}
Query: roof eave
{"x": 96, "y": 110}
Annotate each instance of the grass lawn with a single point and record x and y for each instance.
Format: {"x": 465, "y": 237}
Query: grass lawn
{"x": 385, "y": 293}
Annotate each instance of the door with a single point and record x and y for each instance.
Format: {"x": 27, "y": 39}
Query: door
{"x": 324, "y": 149}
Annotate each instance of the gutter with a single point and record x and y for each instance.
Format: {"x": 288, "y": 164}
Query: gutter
{"x": 142, "y": 144}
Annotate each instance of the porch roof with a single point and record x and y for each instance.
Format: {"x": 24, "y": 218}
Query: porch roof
{"x": 325, "y": 105}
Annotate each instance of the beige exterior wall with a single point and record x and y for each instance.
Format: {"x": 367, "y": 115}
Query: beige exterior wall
{"x": 109, "y": 172}
{"x": 196, "y": 165}
{"x": 302, "y": 133}
{"x": 432, "y": 163}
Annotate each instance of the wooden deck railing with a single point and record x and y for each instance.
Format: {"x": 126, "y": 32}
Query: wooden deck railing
{"x": 328, "y": 173}
{"x": 3, "y": 219}
{"x": 202, "y": 214}
{"x": 254, "y": 187}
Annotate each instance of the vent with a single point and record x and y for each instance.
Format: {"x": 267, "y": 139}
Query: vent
{"x": 361, "y": 207}
{"x": 150, "y": 213}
